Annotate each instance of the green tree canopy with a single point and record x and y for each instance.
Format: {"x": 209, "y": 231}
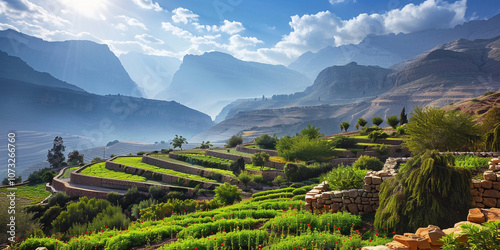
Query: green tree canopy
{"x": 75, "y": 157}
{"x": 311, "y": 131}
{"x": 393, "y": 121}
{"x": 403, "y": 118}
{"x": 436, "y": 129}
{"x": 55, "y": 156}
{"x": 266, "y": 141}
{"x": 346, "y": 125}
{"x": 491, "y": 119}
{"x": 227, "y": 194}
{"x": 259, "y": 159}
{"x": 234, "y": 141}
{"x": 362, "y": 122}
{"x": 377, "y": 120}
{"x": 178, "y": 141}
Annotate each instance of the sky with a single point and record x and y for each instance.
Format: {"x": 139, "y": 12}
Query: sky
{"x": 267, "y": 31}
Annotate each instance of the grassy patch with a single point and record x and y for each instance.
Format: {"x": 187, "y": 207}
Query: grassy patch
{"x": 30, "y": 194}
{"x": 257, "y": 168}
{"x": 368, "y": 144}
{"x": 136, "y": 162}
{"x": 234, "y": 152}
{"x": 215, "y": 170}
{"x": 99, "y": 170}
{"x": 67, "y": 172}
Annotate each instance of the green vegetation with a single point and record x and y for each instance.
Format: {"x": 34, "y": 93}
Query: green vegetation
{"x": 377, "y": 134}
{"x": 435, "y": 129}
{"x": 304, "y": 148}
{"x": 342, "y": 141}
{"x": 136, "y": 162}
{"x": 428, "y": 190}
{"x": 382, "y": 150}
{"x": 369, "y": 163}
{"x": 377, "y": 120}
{"x": 227, "y": 194}
{"x": 215, "y": 170}
{"x": 256, "y": 168}
{"x": 311, "y": 132}
{"x": 29, "y": 194}
{"x": 362, "y": 122}
{"x": 206, "y": 161}
{"x": 178, "y": 141}
{"x": 300, "y": 172}
{"x": 367, "y": 130}
{"x": 393, "y": 121}
{"x": 67, "y": 172}
{"x": 345, "y": 125}
{"x": 484, "y": 237}
{"x": 471, "y": 162}
{"x": 343, "y": 178}
{"x": 100, "y": 170}
{"x": 492, "y": 139}
{"x": 234, "y": 141}
{"x": 266, "y": 142}
{"x": 259, "y": 159}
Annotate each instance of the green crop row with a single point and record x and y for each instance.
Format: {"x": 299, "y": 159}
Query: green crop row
{"x": 99, "y": 170}
{"x": 274, "y": 191}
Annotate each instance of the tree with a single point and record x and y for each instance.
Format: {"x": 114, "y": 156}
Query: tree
{"x": 259, "y": 159}
{"x": 403, "y": 118}
{"x": 357, "y": 126}
{"x": 234, "y": 141}
{"x": 74, "y": 157}
{"x": 245, "y": 178}
{"x": 238, "y": 166}
{"x": 492, "y": 140}
{"x": 267, "y": 142}
{"x": 258, "y": 179}
{"x": 436, "y": 129}
{"x": 393, "y": 121}
{"x": 491, "y": 119}
{"x": 96, "y": 159}
{"x": 311, "y": 131}
{"x": 341, "y": 127}
{"x": 377, "y": 120}
{"x": 178, "y": 141}
{"x": 206, "y": 145}
{"x": 428, "y": 190}
{"x": 346, "y": 125}
{"x": 227, "y": 194}
{"x": 279, "y": 180}
{"x": 55, "y": 156}
{"x": 362, "y": 122}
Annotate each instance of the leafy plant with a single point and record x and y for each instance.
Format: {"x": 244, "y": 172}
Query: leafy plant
{"x": 368, "y": 162}
{"x": 362, "y": 122}
{"x": 267, "y": 142}
{"x": 342, "y": 178}
{"x": 382, "y": 149}
{"x": 245, "y": 177}
{"x": 311, "y": 132}
{"x": 403, "y": 118}
{"x": 343, "y": 141}
{"x": 393, "y": 121}
{"x": 377, "y": 120}
{"x": 234, "y": 141}
{"x": 300, "y": 172}
{"x": 259, "y": 159}
{"x": 346, "y": 125}
{"x": 178, "y": 141}
{"x": 304, "y": 149}
{"x": 377, "y": 134}
{"x": 227, "y": 194}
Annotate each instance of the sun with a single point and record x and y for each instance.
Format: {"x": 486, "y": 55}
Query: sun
{"x": 89, "y": 8}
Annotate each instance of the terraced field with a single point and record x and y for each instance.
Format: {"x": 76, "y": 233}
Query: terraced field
{"x": 99, "y": 170}
{"x": 136, "y": 162}
{"x": 215, "y": 170}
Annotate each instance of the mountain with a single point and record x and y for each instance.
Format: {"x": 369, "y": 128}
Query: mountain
{"x": 31, "y": 107}
{"x": 210, "y": 81}
{"x": 449, "y": 73}
{"x": 88, "y": 65}
{"x": 387, "y": 50}
{"x": 14, "y": 68}
{"x": 478, "y": 106}
{"x": 152, "y": 74}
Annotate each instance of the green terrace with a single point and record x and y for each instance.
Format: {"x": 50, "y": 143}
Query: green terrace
{"x": 137, "y": 162}
{"x": 100, "y": 170}
{"x": 215, "y": 170}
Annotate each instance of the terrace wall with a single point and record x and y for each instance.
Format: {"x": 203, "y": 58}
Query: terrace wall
{"x": 188, "y": 169}
{"x": 248, "y": 160}
{"x": 256, "y": 150}
{"x": 267, "y": 175}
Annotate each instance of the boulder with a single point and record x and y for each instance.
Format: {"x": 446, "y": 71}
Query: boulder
{"x": 353, "y": 208}
{"x": 486, "y": 184}
{"x": 492, "y": 214}
{"x": 432, "y": 233}
{"x": 376, "y": 180}
{"x": 476, "y": 216}
{"x": 407, "y": 241}
{"x": 397, "y": 245}
{"x": 376, "y": 248}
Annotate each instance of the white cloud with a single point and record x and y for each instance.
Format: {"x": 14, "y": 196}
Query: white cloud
{"x": 182, "y": 15}
{"x": 26, "y": 10}
{"x": 148, "y": 4}
{"x": 176, "y": 30}
{"x": 120, "y": 26}
{"x": 340, "y": 1}
{"x": 232, "y": 27}
{"x": 4, "y": 26}
{"x": 132, "y": 22}
{"x": 149, "y": 39}
{"x": 237, "y": 41}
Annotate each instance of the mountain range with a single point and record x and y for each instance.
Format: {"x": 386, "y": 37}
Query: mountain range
{"x": 88, "y": 65}
{"x": 449, "y": 73}
{"x": 390, "y": 49}
{"x": 210, "y": 81}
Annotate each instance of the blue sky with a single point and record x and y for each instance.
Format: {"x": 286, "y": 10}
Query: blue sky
{"x": 267, "y": 31}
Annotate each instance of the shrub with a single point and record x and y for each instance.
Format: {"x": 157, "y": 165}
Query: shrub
{"x": 377, "y": 120}
{"x": 80, "y": 212}
{"x": 245, "y": 177}
{"x": 428, "y": 190}
{"x": 258, "y": 179}
{"x": 267, "y": 142}
{"x": 393, "y": 121}
{"x": 368, "y": 162}
{"x": 491, "y": 119}
{"x": 136, "y": 208}
{"x": 301, "y": 172}
{"x": 234, "y": 141}
{"x": 492, "y": 140}
{"x": 156, "y": 192}
{"x": 362, "y": 122}
{"x": 279, "y": 180}
{"x": 166, "y": 209}
{"x": 132, "y": 196}
{"x": 273, "y": 196}
{"x": 436, "y": 129}
{"x": 238, "y": 166}
{"x": 227, "y": 194}
{"x": 206, "y": 161}
{"x": 342, "y": 141}
{"x": 96, "y": 159}
{"x": 343, "y": 178}
{"x": 311, "y": 132}
{"x": 345, "y": 125}
{"x": 142, "y": 153}
{"x": 401, "y": 130}
{"x": 478, "y": 237}
{"x": 304, "y": 149}
{"x": 382, "y": 149}
{"x": 299, "y": 191}
{"x": 368, "y": 130}
{"x": 374, "y": 135}
{"x": 38, "y": 176}
{"x": 114, "y": 198}
{"x": 259, "y": 159}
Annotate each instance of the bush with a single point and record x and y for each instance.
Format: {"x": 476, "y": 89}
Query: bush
{"x": 167, "y": 209}
{"x": 297, "y": 185}
{"x": 273, "y": 196}
{"x": 401, "y": 130}
{"x": 343, "y": 178}
{"x": 362, "y": 122}
{"x": 382, "y": 149}
{"x": 368, "y": 130}
{"x": 136, "y": 208}
{"x": 301, "y": 172}
{"x": 114, "y": 198}
{"x": 374, "y": 135}
{"x": 234, "y": 141}
{"x": 245, "y": 177}
{"x": 206, "y": 161}
{"x": 38, "y": 176}
{"x": 368, "y": 162}
{"x": 80, "y": 212}
{"x": 157, "y": 192}
{"x": 428, "y": 190}
{"x": 478, "y": 237}
{"x": 311, "y": 132}
{"x": 132, "y": 196}
{"x": 304, "y": 149}
{"x": 299, "y": 191}
{"x": 267, "y": 142}
{"x": 142, "y": 153}
{"x": 342, "y": 141}
{"x": 238, "y": 166}
{"x": 259, "y": 159}
{"x": 377, "y": 120}
{"x": 227, "y": 194}
{"x": 393, "y": 121}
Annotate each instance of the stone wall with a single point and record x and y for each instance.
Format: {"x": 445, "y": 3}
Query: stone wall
{"x": 80, "y": 192}
{"x": 256, "y": 150}
{"x": 486, "y": 193}
{"x": 248, "y": 160}
{"x": 159, "y": 176}
{"x": 267, "y": 175}
{"x": 186, "y": 168}
{"x": 352, "y": 200}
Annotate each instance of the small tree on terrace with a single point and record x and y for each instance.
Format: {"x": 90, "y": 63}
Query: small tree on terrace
{"x": 346, "y": 126}
{"x": 178, "y": 141}
{"x": 403, "y": 118}
{"x": 259, "y": 159}
{"x": 234, "y": 141}
{"x": 55, "y": 155}
{"x": 377, "y": 120}
{"x": 393, "y": 121}
{"x": 341, "y": 127}
{"x": 74, "y": 157}
{"x": 311, "y": 131}
{"x": 245, "y": 177}
{"x": 362, "y": 122}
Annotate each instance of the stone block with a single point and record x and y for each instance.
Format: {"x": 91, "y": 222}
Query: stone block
{"x": 376, "y": 248}
{"x": 329, "y": 201}
{"x": 491, "y": 193}
{"x": 347, "y": 201}
{"x": 325, "y": 195}
{"x": 476, "y": 183}
{"x": 474, "y": 191}
{"x": 492, "y": 214}
{"x": 369, "y": 195}
{"x": 481, "y": 190}
{"x": 495, "y": 160}
{"x": 397, "y": 246}
{"x": 490, "y": 202}
{"x": 477, "y": 199}
{"x": 357, "y": 200}
{"x": 376, "y": 180}
{"x": 407, "y": 241}
{"x": 335, "y": 207}
{"x": 434, "y": 237}
{"x": 479, "y": 204}
{"x": 377, "y": 187}
{"x": 337, "y": 194}
{"x": 486, "y": 184}
{"x": 337, "y": 199}
{"x": 353, "y": 193}
{"x": 489, "y": 176}
{"x": 352, "y": 208}
{"x": 309, "y": 198}
{"x": 320, "y": 201}
{"x": 475, "y": 215}
{"x": 368, "y": 180}
{"x": 367, "y": 209}
{"x": 496, "y": 185}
